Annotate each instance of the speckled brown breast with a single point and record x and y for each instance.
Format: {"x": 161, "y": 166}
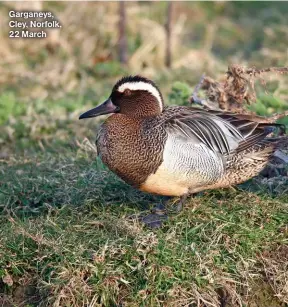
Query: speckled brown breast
{"x": 129, "y": 150}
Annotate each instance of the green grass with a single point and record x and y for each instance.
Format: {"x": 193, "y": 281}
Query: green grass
{"x": 65, "y": 240}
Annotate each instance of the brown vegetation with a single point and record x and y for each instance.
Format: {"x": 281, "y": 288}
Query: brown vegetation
{"x": 234, "y": 93}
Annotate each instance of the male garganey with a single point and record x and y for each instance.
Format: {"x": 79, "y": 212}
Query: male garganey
{"x": 178, "y": 150}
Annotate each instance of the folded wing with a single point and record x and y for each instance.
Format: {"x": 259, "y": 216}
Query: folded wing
{"x": 220, "y": 131}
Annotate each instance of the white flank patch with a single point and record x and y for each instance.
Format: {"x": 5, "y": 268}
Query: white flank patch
{"x": 142, "y": 86}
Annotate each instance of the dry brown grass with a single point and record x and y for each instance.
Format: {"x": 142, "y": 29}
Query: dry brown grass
{"x": 63, "y": 62}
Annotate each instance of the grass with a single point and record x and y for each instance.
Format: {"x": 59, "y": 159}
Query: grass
{"x": 65, "y": 240}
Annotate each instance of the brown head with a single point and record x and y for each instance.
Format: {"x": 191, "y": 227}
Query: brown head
{"x": 134, "y": 96}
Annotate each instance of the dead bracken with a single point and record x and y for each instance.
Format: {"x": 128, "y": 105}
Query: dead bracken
{"x": 236, "y": 91}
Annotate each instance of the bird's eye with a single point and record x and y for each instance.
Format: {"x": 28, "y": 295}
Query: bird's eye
{"x": 127, "y": 92}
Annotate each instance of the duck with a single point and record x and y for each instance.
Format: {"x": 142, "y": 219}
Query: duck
{"x": 177, "y": 151}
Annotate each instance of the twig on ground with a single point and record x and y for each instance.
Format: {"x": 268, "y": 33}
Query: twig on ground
{"x": 276, "y": 116}
{"x": 254, "y": 71}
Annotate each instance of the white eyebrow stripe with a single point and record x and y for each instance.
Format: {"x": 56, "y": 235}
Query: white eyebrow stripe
{"x": 141, "y": 86}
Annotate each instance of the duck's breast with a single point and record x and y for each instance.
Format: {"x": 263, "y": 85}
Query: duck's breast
{"x": 128, "y": 151}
